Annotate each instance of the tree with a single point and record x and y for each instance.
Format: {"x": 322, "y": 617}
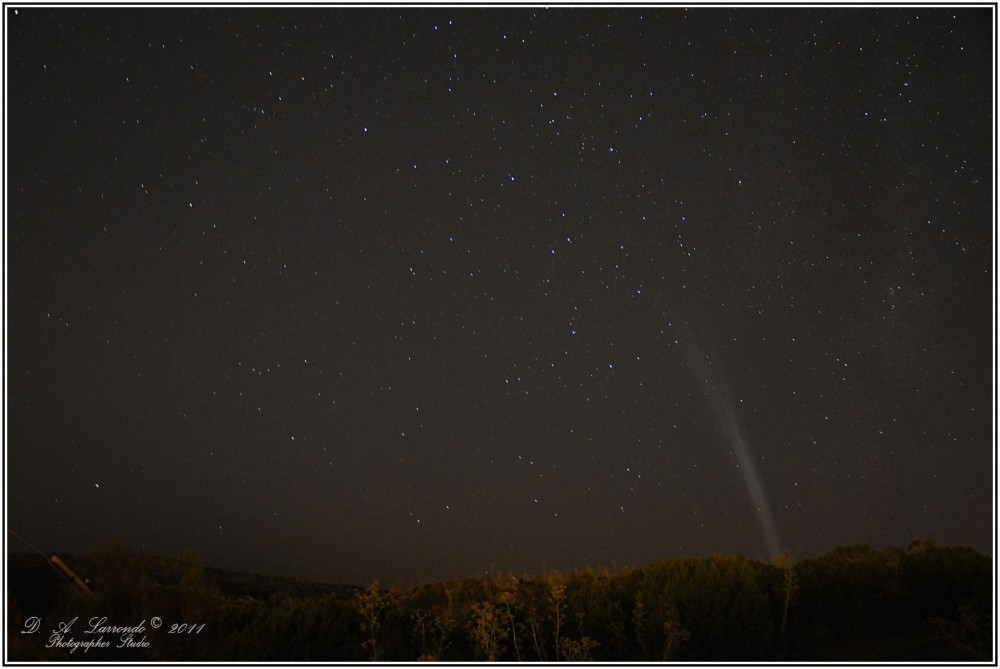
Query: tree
{"x": 578, "y": 651}
{"x": 967, "y": 634}
{"x": 617, "y": 630}
{"x": 197, "y": 598}
{"x": 121, "y": 581}
{"x": 487, "y": 630}
{"x": 507, "y": 600}
{"x": 557, "y": 598}
{"x": 639, "y": 618}
{"x": 790, "y": 588}
{"x": 674, "y": 634}
{"x": 531, "y": 605}
{"x": 371, "y": 605}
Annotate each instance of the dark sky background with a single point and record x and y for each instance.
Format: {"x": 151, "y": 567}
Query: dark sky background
{"x": 405, "y": 293}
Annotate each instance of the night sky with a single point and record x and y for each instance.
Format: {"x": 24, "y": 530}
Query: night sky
{"x": 409, "y": 293}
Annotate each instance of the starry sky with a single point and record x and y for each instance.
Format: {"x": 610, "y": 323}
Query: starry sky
{"x": 410, "y": 293}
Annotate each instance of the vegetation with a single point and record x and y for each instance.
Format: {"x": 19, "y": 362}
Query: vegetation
{"x": 854, "y": 603}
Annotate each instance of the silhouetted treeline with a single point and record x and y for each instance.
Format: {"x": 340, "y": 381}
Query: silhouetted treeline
{"x": 854, "y": 603}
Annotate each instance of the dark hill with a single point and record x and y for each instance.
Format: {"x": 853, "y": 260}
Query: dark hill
{"x": 36, "y": 584}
